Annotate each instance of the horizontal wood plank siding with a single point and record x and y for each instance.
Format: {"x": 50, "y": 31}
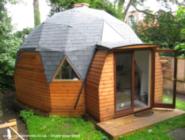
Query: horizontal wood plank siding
{"x": 30, "y": 82}
{"x": 63, "y": 97}
{"x": 92, "y": 85}
{"x": 106, "y": 89}
{"x": 33, "y": 90}
{"x": 158, "y": 79}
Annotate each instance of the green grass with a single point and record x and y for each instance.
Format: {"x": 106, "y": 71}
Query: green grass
{"x": 159, "y": 131}
{"x": 78, "y": 129}
{"x": 60, "y": 128}
{"x": 180, "y": 104}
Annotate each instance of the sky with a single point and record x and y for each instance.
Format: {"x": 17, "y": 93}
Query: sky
{"x": 22, "y": 12}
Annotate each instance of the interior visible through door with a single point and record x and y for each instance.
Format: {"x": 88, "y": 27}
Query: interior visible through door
{"x": 123, "y": 81}
{"x": 142, "y": 79}
{"x": 133, "y": 73}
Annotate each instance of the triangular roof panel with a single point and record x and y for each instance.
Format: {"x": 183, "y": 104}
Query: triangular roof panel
{"x": 74, "y": 33}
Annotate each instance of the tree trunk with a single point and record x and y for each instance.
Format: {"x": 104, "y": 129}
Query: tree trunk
{"x": 36, "y": 12}
{"x": 126, "y": 9}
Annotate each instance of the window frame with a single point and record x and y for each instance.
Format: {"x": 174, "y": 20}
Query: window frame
{"x": 59, "y": 67}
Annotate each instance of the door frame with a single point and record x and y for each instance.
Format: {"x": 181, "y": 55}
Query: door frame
{"x": 129, "y": 110}
{"x": 152, "y": 82}
{"x": 167, "y": 105}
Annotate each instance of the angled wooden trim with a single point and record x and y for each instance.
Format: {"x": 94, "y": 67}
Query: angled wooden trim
{"x": 136, "y": 47}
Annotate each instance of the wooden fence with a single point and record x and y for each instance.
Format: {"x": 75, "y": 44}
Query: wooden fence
{"x": 181, "y": 75}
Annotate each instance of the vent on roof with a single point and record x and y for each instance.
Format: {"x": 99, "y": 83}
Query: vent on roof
{"x": 76, "y": 5}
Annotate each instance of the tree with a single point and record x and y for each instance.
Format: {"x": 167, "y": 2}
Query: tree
{"x": 180, "y": 16}
{"x": 181, "y": 49}
{"x": 22, "y": 34}
{"x": 8, "y": 47}
{"x": 164, "y": 28}
{"x": 139, "y": 5}
{"x": 60, "y": 5}
{"x": 36, "y": 12}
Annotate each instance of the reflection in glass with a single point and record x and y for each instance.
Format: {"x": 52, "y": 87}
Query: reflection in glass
{"x": 123, "y": 81}
{"x": 167, "y": 67}
{"x": 142, "y": 79}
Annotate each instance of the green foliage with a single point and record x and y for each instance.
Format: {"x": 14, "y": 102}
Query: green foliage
{"x": 180, "y": 17}
{"x": 8, "y": 47}
{"x": 26, "y": 114}
{"x": 22, "y": 34}
{"x": 181, "y": 48}
{"x": 164, "y": 28}
{"x": 59, "y": 5}
{"x": 55, "y": 128}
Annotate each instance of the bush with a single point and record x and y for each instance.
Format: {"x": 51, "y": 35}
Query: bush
{"x": 26, "y": 114}
{"x": 181, "y": 48}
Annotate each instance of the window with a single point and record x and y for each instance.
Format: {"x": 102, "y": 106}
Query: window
{"x": 66, "y": 72}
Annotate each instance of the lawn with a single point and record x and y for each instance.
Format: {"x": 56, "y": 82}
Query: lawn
{"x": 62, "y": 128}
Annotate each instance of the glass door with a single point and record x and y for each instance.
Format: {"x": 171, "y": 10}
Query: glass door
{"x": 167, "y": 69}
{"x": 133, "y": 78}
{"x": 142, "y": 94}
{"x": 124, "y": 88}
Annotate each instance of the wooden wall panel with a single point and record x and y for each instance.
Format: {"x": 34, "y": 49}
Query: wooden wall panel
{"x": 158, "y": 80}
{"x": 106, "y": 89}
{"x": 33, "y": 90}
{"x": 63, "y": 97}
{"x": 92, "y": 85}
{"x": 30, "y": 82}
{"x": 59, "y": 97}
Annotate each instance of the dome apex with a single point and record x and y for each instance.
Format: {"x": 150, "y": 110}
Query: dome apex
{"x": 76, "y": 5}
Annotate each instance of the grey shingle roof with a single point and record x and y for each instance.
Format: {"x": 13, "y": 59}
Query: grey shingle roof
{"x": 74, "y": 33}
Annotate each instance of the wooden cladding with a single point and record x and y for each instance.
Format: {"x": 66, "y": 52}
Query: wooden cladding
{"x": 63, "y": 97}
{"x": 31, "y": 85}
{"x": 100, "y": 87}
{"x": 106, "y": 89}
{"x": 59, "y": 96}
{"x": 158, "y": 79}
{"x": 92, "y": 85}
{"x": 32, "y": 88}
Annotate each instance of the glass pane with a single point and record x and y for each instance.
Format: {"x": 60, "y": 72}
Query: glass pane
{"x": 66, "y": 72}
{"x": 142, "y": 79}
{"x": 167, "y": 81}
{"x": 123, "y": 81}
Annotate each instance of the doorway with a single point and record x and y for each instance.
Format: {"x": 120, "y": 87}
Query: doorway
{"x": 132, "y": 81}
